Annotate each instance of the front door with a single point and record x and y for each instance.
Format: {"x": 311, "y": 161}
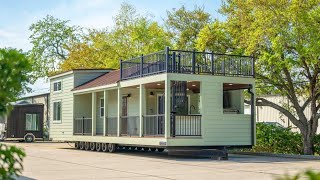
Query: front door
{"x": 124, "y": 117}
{"x": 161, "y": 113}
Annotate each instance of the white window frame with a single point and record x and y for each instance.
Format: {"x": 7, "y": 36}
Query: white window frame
{"x": 54, "y": 120}
{"x": 60, "y": 81}
{"x": 101, "y": 108}
{"x": 37, "y": 115}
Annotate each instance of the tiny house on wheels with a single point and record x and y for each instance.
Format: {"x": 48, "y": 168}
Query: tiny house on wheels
{"x": 24, "y": 123}
{"x": 172, "y": 99}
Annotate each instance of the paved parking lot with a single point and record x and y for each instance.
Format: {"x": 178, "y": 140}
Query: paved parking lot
{"x": 60, "y": 161}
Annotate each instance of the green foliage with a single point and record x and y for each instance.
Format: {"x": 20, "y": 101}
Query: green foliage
{"x": 11, "y": 159}
{"x": 15, "y": 70}
{"x": 275, "y": 139}
{"x": 50, "y": 38}
{"x": 309, "y": 174}
{"x": 184, "y": 26}
{"x": 131, "y": 36}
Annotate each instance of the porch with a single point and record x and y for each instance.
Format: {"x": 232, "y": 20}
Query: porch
{"x": 144, "y": 110}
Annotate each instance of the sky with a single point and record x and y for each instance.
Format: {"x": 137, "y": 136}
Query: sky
{"x": 17, "y": 15}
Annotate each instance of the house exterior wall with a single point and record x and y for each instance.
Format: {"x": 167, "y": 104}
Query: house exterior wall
{"x": 63, "y": 130}
{"x": 217, "y": 128}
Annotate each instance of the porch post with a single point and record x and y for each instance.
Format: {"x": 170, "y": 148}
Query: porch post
{"x": 105, "y": 105}
{"x": 142, "y": 107}
{"x": 167, "y": 109}
{"x": 119, "y": 111}
{"x": 94, "y": 113}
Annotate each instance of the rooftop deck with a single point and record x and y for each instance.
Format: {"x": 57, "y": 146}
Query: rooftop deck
{"x": 187, "y": 62}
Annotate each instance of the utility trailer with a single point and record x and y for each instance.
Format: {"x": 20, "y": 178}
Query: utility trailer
{"x": 24, "y": 123}
{"x": 173, "y": 99}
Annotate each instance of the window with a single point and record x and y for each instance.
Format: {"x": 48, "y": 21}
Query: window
{"x": 57, "y": 111}
{"x": 32, "y": 122}
{"x": 57, "y": 86}
{"x": 101, "y": 107}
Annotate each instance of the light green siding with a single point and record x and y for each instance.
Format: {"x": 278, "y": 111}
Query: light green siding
{"x": 64, "y": 129}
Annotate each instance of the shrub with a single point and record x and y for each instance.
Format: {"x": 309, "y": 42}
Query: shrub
{"x": 309, "y": 174}
{"x": 10, "y": 161}
{"x": 276, "y": 139}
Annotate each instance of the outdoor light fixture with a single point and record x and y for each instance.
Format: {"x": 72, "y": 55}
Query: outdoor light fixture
{"x": 187, "y": 89}
{"x": 193, "y": 85}
{"x": 158, "y": 84}
{"x": 230, "y": 84}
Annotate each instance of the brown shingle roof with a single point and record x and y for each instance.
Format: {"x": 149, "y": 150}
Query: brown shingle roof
{"x": 108, "y": 78}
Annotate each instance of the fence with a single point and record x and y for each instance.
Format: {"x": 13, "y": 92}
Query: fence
{"x": 153, "y": 125}
{"x": 82, "y": 126}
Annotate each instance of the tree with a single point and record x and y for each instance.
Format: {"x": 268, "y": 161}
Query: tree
{"x": 10, "y": 161}
{"x": 50, "y": 38}
{"x": 216, "y": 38}
{"x": 131, "y": 36}
{"x": 15, "y": 70}
{"x": 184, "y": 26}
{"x": 284, "y": 37}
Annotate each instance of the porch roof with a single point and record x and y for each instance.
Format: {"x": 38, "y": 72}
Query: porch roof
{"x": 105, "y": 79}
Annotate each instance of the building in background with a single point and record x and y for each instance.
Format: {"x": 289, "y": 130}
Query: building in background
{"x": 270, "y": 115}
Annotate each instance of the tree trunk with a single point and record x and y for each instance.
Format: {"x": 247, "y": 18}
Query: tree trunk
{"x": 307, "y": 143}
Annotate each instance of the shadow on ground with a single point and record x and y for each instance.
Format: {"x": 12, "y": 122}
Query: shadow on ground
{"x": 232, "y": 157}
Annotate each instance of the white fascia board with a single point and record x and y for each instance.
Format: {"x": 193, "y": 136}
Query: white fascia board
{"x": 95, "y": 89}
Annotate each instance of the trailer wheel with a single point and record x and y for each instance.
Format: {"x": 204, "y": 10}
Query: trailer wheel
{"x": 104, "y": 147}
{"x": 153, "y": 149}
{"x": 139, "y": 148}
{"x": 98, "y": 146}
{"x": 77, "y": 145}
{"x": 112, "y": 147}
{"x": 86, "y": 145}
{"x": 146, "y": 149}
{"x": 160, "y": 149}
{"x": 92, "y": 146}
{"x": 29, "y": 138}
{"x": 81, "y": 145}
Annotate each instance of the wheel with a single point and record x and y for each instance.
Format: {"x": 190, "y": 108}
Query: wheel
{"x": 139, "y": 148}
{"x": 77, "y": 145}
{"x": 112, "y": 147}
{"x": 153, "y": 149}
{"x": 160, "y": 149}
{"x": 29, "y": 138}
{"x": 86, "y": 145}
{"x": 104, "y": 147}
{"x": 81, "y": 145}
{"x": 98, "y": 146}
{"x": 146, "y": 149}
{"x": 92, "y": 146}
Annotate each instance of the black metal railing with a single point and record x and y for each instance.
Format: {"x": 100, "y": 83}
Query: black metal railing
{"x": 185, "y": 125}
{"x": 187, "y": 62}
{"x": 130, "y": 125}
{"x": 153, "y": 125}
{"x": 111, "y": 126}
{"x": 82, "y": 126}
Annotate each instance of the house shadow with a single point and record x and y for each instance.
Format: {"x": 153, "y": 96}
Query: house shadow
{"x": 180, "y": 158}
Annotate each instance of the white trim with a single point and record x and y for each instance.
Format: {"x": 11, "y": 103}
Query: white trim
{"x": 101, "y": 98}
{"x": 57, "y": 81}
{"x": 53, "y": 120}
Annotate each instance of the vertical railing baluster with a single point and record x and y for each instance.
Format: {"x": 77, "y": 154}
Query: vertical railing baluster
{"x": 193, "y": 62}
{"x": 174, "y": 62}
{"x": 141, "y": 66}
{"x": 167, "y": 59}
